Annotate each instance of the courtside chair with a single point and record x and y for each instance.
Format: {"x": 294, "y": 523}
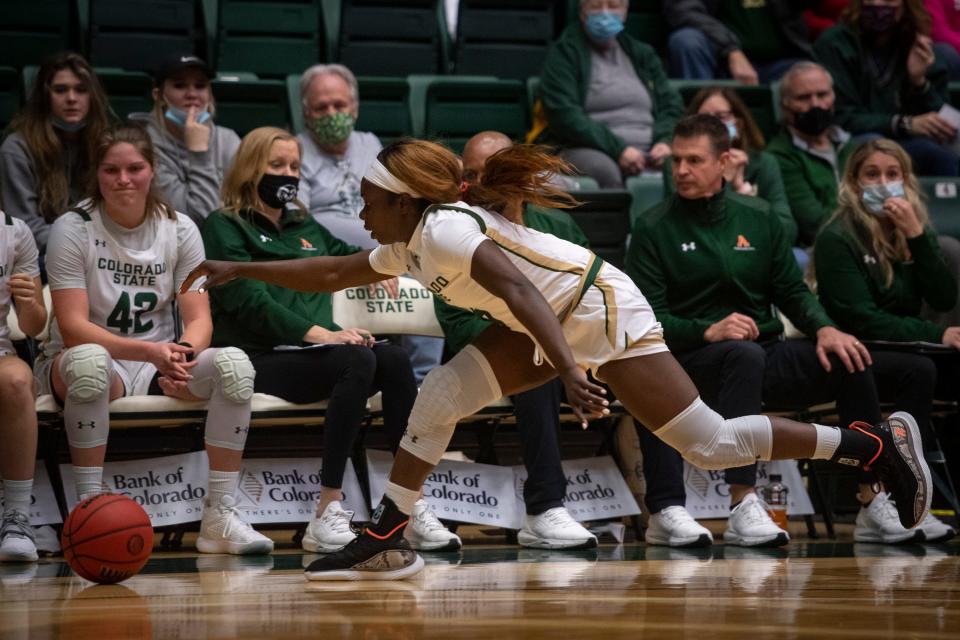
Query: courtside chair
{"x": 270, "y": 38}
{"x": 604, "y": 217}
{"x": 646, "y": 190}
{"x": 392, "y": 37}
{"x": 31, "y": 30}
{"x": 759, "y": 99}
{"x": 138, "y": 34}
{"x": 504, "y": 38}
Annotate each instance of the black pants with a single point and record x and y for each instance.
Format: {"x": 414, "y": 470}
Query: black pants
{"x": 736, "y": 378}
{"x": 346, "y": 375}
{"x": 538, "y": 422}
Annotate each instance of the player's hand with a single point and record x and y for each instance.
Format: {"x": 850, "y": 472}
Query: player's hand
{"x": 852, "y": 353}
{"x": 951, "y": 337}
{"x": 631, "y": 161}
{"x": 170, "y": 359}
{"x": 391, "y": 286}
{"x": 216, "y": 272}
{"x": 740, "y": 68}
{"x": 584, "y": 397}
{"x": 735, "y": 326}
{"x": 176, "y": 389}
{"x": 196, "y": 136}
{"x": 24, "y": 290}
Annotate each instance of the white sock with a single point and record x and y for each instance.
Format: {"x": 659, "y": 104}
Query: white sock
{"x": 402, "y": 497}
{"x": 828, "y": 439}
{"x": 89, "y": 481}
{"x": 16, "y": 495}
{"x": 220, "y": 484}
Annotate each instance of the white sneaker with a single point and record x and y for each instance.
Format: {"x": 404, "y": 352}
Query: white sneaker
{"x": 425, "y": 532}
{"x": 330, "y": 531}
{"x": 935, "y": 530}
{"x": 222, "y": 530}
{"x": 17, "y": 538}
{"x": 750, "y": 525}
{"x": 555, "y": 529}
{"x": 675, "y": 527}
{"x": 880, "y": 522}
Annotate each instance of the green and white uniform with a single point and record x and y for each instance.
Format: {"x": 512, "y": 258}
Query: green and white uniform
{"x": 18, "y": 254}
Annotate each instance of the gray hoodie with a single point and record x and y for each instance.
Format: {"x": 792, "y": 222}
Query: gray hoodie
{"x": 18, "y": 184}
{"x": 190, "y": 180}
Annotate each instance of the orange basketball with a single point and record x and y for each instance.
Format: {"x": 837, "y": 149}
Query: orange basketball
{"x": 107, "y": 538}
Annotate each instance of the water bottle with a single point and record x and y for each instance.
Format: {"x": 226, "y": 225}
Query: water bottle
{"x": 775, "y": 495}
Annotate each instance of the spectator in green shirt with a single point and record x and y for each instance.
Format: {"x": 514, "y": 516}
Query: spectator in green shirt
{"x": 713, "y": 263}
{"x": 262, "y": 220}
{"x": 877, "y": 261}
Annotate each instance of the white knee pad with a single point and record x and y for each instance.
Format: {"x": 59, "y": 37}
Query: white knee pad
{"x": 708, "y": 441}
{"x": 86, "y": 370}
{"x": 236, "y": 374}
{"x": 451, "y": 392}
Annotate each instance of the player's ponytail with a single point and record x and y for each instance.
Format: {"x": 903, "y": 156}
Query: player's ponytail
{"x": 521, "y": 172}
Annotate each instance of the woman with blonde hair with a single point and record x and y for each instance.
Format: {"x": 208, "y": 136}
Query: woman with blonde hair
{"x": 193, "y": 153}
{"x": 561, "y": 311}
{"x": 262, "y": 220}
{"x": 115, "y": 264}
{"x": 44, "y": 162}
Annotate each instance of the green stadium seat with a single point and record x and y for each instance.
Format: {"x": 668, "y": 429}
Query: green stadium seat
{"x": 759, "y": 99}
{"x": 128, "y": 91}
{"x": 293, "y": 101}
{"x": 391, "y": 37}
{"x": 504, "y": 38}
{"x": 584, "y": 183}
{"x": 11, "y": 94}
{"x": 604, "y": 217}
{"x": 138, "y": 34}
{"x": 954, "y": 89}
{"x": 243, "y": 104}
{"x": 31, "y": 30}
{"x": 268, "y": 38}
{"x": 943, "y": 204}
{"x": 453, "y": 109}
{"x": 385, "y": 108}
{"x": 645, "y": 192}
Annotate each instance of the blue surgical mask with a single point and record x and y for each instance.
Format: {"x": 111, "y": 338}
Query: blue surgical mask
{"x": 69, "y": 127}
{"x": 732, "y": 130}
{"x": 874, "y": 195}
{"x": 603, "y": 26}
{"x": 179, "y": 116}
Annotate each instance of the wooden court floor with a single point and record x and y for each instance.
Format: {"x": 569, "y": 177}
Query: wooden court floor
{"x": 818, "y": 590}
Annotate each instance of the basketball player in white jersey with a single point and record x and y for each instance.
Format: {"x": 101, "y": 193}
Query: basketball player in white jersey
{"x": 115, "y": 263}
{"x": 562, "y": 311}
{"x": 20, "y": 286}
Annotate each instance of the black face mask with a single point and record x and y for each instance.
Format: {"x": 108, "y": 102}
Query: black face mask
{"x": 277, "y": 191}
{"x": 813, "y": 122}
{"x": 877, "y": 19}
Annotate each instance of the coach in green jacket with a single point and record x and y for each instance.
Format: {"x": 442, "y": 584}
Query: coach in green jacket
{"x": 713, "y": 263}
{"x": 606, "y": 97}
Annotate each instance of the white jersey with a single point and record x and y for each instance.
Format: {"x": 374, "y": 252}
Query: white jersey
{"x": 18, "y": 254}
{"x": 130, "y": 291}
{"x": 604, "y": 315}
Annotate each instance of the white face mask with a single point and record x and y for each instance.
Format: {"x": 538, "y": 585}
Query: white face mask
{"x": 874, "y": 195}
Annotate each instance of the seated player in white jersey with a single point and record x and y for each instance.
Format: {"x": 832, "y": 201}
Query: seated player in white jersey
{"x": 581, "y": 314}
{"x": 19, "y": 285}
{"x": 115, "y": 264}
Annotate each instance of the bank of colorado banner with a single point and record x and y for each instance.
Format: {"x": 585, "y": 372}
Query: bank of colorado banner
{"x": 708, "y": 496}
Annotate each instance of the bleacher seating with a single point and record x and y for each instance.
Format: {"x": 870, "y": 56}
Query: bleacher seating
{"x": 645, "y": 192}
{"x": 504, "y": 38}
{"x": 30, "y": 30}
{"x": 392, "y": 37}
{"x": 385, "y": 108}
{"x": 943, "y": 204}
{"x": 245, "y": 102}
{"x": 10, "y": 95}
{"x": 604, "y": 218}
{"x": 129, "y": 91}
{"x": 137, "y": 34}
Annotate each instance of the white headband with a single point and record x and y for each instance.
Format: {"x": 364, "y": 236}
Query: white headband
{"x": 379, "y": 175}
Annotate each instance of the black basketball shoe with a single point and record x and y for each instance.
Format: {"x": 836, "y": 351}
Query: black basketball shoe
{"x": 371, "y": 555}
{"x": 900, "y": 465}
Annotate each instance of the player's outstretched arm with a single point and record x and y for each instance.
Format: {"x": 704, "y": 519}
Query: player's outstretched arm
{"x": 324, "y": 273}
{"x": 495, "y": 273}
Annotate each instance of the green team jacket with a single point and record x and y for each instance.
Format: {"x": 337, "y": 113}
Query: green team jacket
{"x": 761, "y": 170}
{"x": 866, "y": 103}
{"x": 851, "y": 285}
{"x": 810, "y": 183}
{"x": 460, "y": 326}
{"x": 698, "y": 261}
{"x": 256, "y": 316}
{"x": 565, "y": 80}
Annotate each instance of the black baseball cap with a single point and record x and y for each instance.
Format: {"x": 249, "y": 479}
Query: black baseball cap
{"x": 171, "y": 64}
